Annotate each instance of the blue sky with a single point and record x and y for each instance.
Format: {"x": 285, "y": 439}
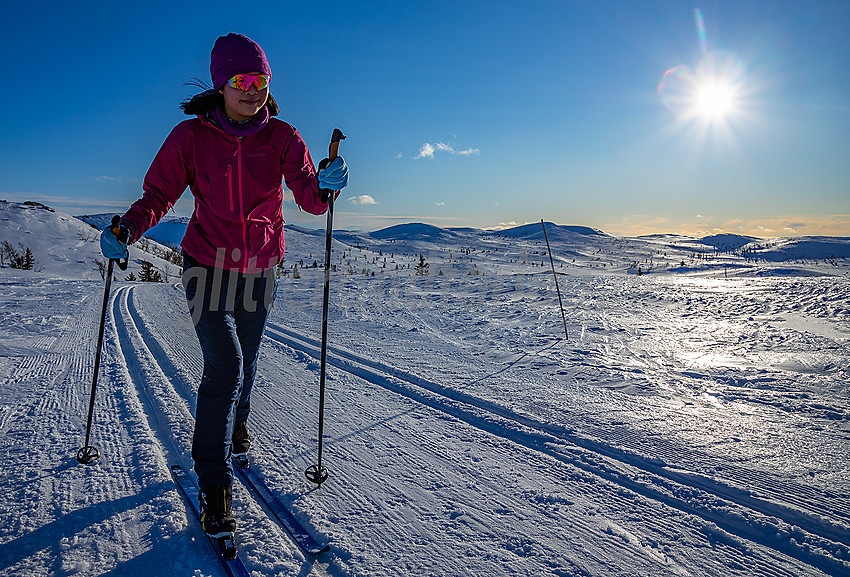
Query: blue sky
{"x": 459, "y": 113}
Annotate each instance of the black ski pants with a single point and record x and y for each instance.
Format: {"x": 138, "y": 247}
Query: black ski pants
{"x": 229, "y": 310}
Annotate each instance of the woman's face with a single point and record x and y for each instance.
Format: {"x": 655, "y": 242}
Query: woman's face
{"x": 241, "y": 105}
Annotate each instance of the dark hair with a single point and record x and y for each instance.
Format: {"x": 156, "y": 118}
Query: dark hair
{"x": 211, "y": 98}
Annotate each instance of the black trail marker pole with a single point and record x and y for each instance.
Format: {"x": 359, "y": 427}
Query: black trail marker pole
{"x": 552, "y": 262}
{"x": 89, "y": 454}
{"x": 317, "y": 473}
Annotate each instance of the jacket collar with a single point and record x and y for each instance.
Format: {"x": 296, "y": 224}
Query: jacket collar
{"x": 219, "y": 120}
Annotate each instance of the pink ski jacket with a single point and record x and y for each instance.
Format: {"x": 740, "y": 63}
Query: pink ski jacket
{"x": 238, "y": 190}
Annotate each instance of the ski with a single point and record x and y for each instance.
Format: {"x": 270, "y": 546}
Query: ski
{"x": 284, "y": 516}
{"x": 224, "y": 548}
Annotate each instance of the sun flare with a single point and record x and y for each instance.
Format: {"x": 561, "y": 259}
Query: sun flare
{"x": 714, "y": 92}
{"x": 715, "y": 100}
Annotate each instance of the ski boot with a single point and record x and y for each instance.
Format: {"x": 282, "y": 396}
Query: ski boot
{"x": 241, "y": 444}
{"x": 217, "y": 520}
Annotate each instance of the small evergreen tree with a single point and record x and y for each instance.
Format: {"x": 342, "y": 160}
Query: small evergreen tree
{"x": 422, "y": 268}
{"x": 22, "y": 259}
{"x": 149, "y": 273}
{"x": 29, "y": 260}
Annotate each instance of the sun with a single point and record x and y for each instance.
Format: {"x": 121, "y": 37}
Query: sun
{"x": 715, "y": 92}
{"x": 714, "y": 100}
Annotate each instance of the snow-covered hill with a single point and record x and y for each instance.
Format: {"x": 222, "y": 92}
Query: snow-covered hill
{"x": 554, "y": 232}
{"x": 695, "y": 422}
{"x": 66, "y": 247}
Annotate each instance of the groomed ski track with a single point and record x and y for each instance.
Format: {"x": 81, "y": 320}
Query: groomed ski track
{"x": 741, "y": 528}
{"x": 169, "y": 415}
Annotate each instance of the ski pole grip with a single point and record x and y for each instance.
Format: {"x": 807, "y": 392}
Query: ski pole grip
{"x": 116, "y": 225}
{"x": 333, "y": 149}
{"x": 116, "y": 230}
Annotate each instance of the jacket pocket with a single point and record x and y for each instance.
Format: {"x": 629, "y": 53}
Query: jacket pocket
{"x": 265, "y": 224}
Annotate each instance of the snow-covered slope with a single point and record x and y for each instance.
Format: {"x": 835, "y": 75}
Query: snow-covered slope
{"x": 692, "y": 424}
{"x": 65, "y": 247}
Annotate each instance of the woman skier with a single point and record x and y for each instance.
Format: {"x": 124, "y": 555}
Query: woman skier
{"x": 234, "y": 156}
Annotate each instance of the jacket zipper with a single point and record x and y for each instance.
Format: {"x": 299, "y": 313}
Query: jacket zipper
{"x": 229, "y": 174}
{"x": 242, "y": 204}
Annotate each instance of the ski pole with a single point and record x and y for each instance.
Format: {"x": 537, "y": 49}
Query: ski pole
{"x": 89, "y": 454}
{"x": 317, "y": 473}
{"x": 552, "y": 262}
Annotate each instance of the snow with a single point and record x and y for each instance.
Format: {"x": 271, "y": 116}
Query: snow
{"x": 66, "y": 247}
{"x": 696, "y": 421}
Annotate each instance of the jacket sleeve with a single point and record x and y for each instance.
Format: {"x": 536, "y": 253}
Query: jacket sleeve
{"x": 299, "y": 173}
{"x": 165, "y": 181}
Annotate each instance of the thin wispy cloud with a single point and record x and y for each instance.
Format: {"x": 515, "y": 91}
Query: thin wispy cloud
{"x": 428, "y": 150}
{"x": 116, "y": 179}
{"x": 362, "y": 220}
{"x": 771, "y": 227}
{"x": 362, "y": 200}
{"x": 504, "y": 225}
{"x": 65, "y": 202}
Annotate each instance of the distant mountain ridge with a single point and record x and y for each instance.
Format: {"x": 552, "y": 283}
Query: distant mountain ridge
{"x": 67, "y": 247}
{"x": 725, "y": 241}
{"x": 414, "y": 230}
{"x": 170, "y": 232}
{"x": 535, "y": 231}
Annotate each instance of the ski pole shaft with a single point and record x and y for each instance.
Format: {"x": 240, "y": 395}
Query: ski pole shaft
{"x": 317, "y": 473}
{"x": 552, "y": 262}
{"x": 325, "y": 306}
{"x": 89, "y": 454}
{"x": 99, "y": 347}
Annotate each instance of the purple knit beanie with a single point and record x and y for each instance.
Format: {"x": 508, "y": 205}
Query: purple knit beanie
{"x": 236, "y": 54}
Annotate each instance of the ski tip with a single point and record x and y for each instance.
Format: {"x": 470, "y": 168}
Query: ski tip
{"x": 319, "y": 549}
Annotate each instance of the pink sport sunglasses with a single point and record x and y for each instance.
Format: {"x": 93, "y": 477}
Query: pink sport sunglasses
{"x": 245, "y": 81}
